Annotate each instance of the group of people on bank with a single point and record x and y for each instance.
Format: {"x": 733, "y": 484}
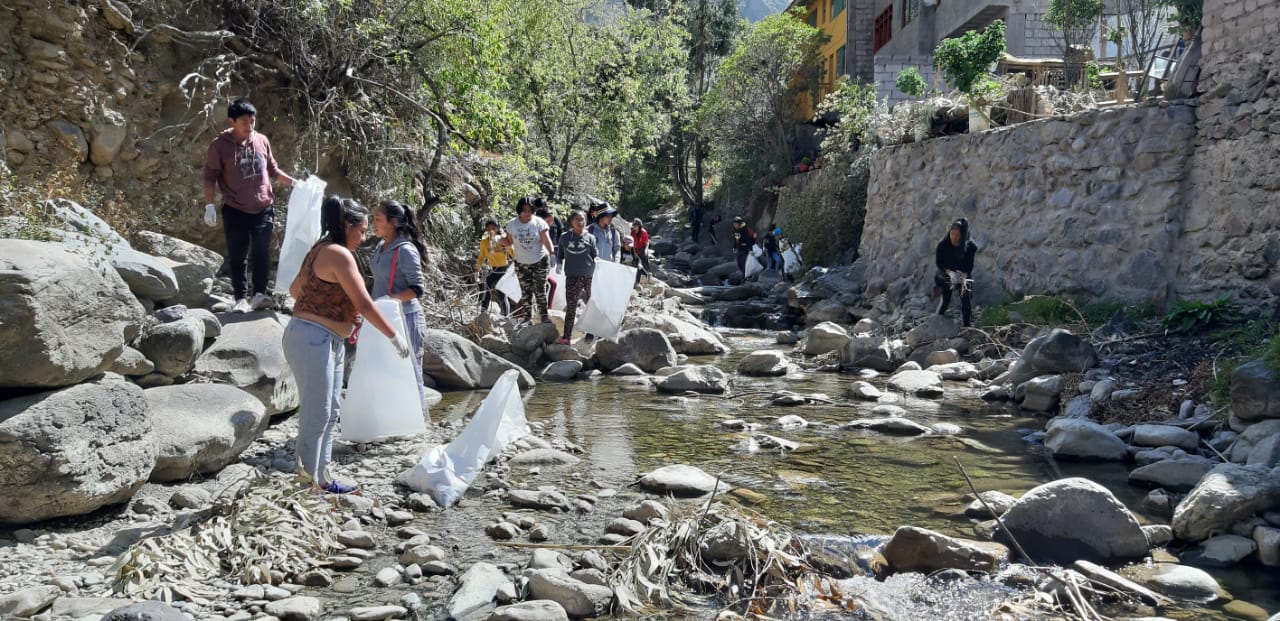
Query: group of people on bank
{"x": 332, "y": 302}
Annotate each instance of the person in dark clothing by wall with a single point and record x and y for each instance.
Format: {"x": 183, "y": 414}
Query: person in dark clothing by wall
{"x": 954, "y": 259}
{"x": 743, "y": 240}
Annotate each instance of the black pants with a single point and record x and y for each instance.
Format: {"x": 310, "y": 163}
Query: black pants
{"x": 743, "y": 253}
{"x": 640, "y": 258}
{"x": 695, "y": 223}
{"x": 490, "y": 282}
{"x": 248, "y": 234}
{"x": 966, "y": 294}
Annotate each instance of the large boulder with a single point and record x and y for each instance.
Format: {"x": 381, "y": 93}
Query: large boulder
{"x": 178, "y": 250}
{"x": 579, "y": 599}
{"x": 679, "y": 480}
{"x": 1165, "y": 435}
{"x": 874, "y": 352}
{"x": 1228, "y": 494}
{"x": 249, "y": 355}
{"x": 646, "y": 348}
{"x": 65, "y": 319}
{"x": 703, "y": 378}
{"x": 173, "y": 347}
{"x": 825, "y": 337}
{"x": 200, "y": 428}
{"x": 1057, "y": 352}
{"x": 533, "y": 610}
{"x": 763, "y": 363}
{"x": 1079, "y": 438}
{"x": 824, "y": 311}
{"x": 1255, "y": 392}
{"x": 1070, "y": 519}
{"x": 132, "y": 363}
{"x": 918, "y": 383}
{"x": 1041, "y": 394}
{"x": 533, "y": 337}
{"x": 148, "y": 277}
{"x": 926, "y": 551}
{"x": 561, "y": 371}
{"x": 74, "y": 450}
{"x": 195, "y": 283}
{"x": 686, "y": 337}
{"x": 934, "y": 328}
{"x": 456, "y": 363}
{"x": 1173, "y": 475}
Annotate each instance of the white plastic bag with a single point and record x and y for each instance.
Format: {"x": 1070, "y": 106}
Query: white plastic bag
{"x": 791, "y": 259}
{"x": 446, "y": 471}
{"x": 753, "y": 266}
{"x": 301, "y": 229}
{"x": 757, "y": 251}
{"x": 559, "y": 299}
{"x": 509, "y": 285}
{"x": 611, "y": 287}
{"x": 382, "y": 397}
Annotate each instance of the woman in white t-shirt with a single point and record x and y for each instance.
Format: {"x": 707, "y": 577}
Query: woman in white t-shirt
{"x": 530, "y": 240}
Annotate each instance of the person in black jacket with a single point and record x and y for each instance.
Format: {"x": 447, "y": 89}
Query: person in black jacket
{"x": 954, "y": 258}
{"x": 743, "y": 240}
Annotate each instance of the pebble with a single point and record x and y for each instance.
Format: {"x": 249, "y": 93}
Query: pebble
{"x": 438, "y": 568}
{"x": 345, "y": 563}
{"x": 502, "y": 531}
{"x": 356, "y": 539}
{"x": 409, "y": 532}
{"x": 540, "y": 533}
{"x": 413, "y": 573}
{"x": 395, "y": 518}
{"x": 317, "y": 578}
{"x": 190, "y": 498}
{"x": 376, "y": 613}
{"x": 275, "y": 593}
{"x": 411, "y": 601}
{"x": 388, "y": 577}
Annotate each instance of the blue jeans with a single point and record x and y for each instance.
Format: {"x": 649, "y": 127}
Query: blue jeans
{"x": 316, "y": 356}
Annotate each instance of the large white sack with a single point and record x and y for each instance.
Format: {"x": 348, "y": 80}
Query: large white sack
{"x": 791, "y": 259}
{"x": 559, "y": 299}
{"x": 611, "y": 287}
{"x": 753, "y": 266}
{"x": 382, "y": 397}
{"x": 509, "y": 284}
{"x": 446, "y": 471}
{"x": 301, "y": 229}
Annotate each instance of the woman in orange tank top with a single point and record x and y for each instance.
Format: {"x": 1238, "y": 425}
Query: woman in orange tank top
{"x": 329, "y": 293}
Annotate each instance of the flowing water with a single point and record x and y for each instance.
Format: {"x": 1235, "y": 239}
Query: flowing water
{"x": 847, "y": 482}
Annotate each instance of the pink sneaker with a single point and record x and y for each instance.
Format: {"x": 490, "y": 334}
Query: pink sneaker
{"x": 563, "y": 341}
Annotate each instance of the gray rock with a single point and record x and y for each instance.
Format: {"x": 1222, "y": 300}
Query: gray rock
{"x": 200, "y": 428}
{"x": 647, "y": 511}
{"x": 1187, "y": 583}
{"x": 997, "y": 500}
{"x": 1078, "y": 407}
{"x": 541, "y": 500}
{"x": 177, "y": 250}
{"x": 628, "y": 370}
{"x": 249, "y": 356}
{"x": 145, "y": 611}
{"x": 1083, "y": 439}
{"x": 919, "y": 383}
{"x": 295, "y": 609}
{"x": 74, "y": 450}
{"x": 1265, "y": 453}
{"x": 388, "y": 577}
{"x": 700, "y": 378}
{"x": 28, "y": 602}
{"x": 557, "y": 352}
{"x": 148, "y": 277}
{"x": 1179, "y": 476}
{"x": 864, "y": 391}
{"x": 1223, "y": 551}
{"x": 686, "y": 337}
{"x": 173, "y": 347}
{"x": 944, "y": 357}
{"x": 824, "y": 311}
{"x": 376, "y": 613}
{"x": 1228, "y": 494}
{"x": 1070, "y": 519}
{"x": 80, "y": 607}
{"x": 763, "y": 363}
{"x": 926, "y": 551}
{"x": 422, "y": 554}
{"x": 625, "y": 527}
{"x": 66, "y": 319}
{"x": 544, "y": 457}
{"x": 1267, "y": 538}
{"x": 891, "y": 424}
{"x": 357, "y": 539}
{"x": 1041, "y": 394}
{"x": 533, "y": 337}
{"x": 562, "y": 371}
{"x": 1102, "y": 390}
{"x": 647, "y": 348}
{"x": 578, "y": 599}
{"x": 1165, "y": 435}
{"x": 1255, "y": 392}
{"x": 824, "y": 337}
{"x": 1057, "y": 352}
{"x": 932, "y": 329}
{"x": 476, "y": 590}
{"x": 536, "y": 610}
{"x": 955, "y": 371}
{"x": 191, "y": 498}
{"x": 1158, "y": 535}
{"x": 502, "y": 531}
{"x": 678, "y": 480}
{"x": 549, "y": 559}
{"x": 874, "y": 352}
{"x": 212, "y": 327}
{"x": 724, "y": 542}
{"x": 132, "y": 363}
{"x": 458, "y": 364}
{"x": 195, "y": 283}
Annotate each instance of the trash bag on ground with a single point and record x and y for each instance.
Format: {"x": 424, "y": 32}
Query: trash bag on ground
{"x": 446, "y": 471}
{"x": 382, "y": 398}
{"x": 559, "y": 299}
{"x": 301, "y": 229}
{"x": 611, "y": 287}
{"x": 509, "y": 285}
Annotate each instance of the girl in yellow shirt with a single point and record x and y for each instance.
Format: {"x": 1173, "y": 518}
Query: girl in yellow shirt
{"x": 494, "y": 257}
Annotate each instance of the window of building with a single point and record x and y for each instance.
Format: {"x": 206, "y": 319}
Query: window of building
{"x": 813, "y": 18}
{"x": 836, "y": 7}
{"x": 910, "y": 11}
{"x": 883, "y": 30}
{"x": 840, "y": 61}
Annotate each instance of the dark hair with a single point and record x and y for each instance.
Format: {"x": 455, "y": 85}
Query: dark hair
{"x": 406, "y": 223}
{"x": 577, "y": 214}
{"x": 491, "y": 223}
{"x": 539, "y": 203}
{"x": 637, "y": 222}
{"x": 524, "y": 203}
{"x": 336, "y": 214}
{"x": 541, "y": 212}
{"x": 239, "y": 108}
{"x": 962, "y": 225}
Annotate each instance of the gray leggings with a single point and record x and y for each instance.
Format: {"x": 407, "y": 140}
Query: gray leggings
{"x": 316, "y": 355}
{"x": 416, "y": 324}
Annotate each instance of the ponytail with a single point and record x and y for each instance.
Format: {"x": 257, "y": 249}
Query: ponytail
{"x": 336, "y": 214}
{"x": 406, "y": 224}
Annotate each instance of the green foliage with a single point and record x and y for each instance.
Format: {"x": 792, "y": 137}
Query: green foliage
{"x": 910, "y": 82}
{"x": 1091, "y": 72}
{"x": 965, "y": 61}
{"x": 1221, "y": 390}
{"x": 1188, "y": 317}
{"x": 854, "y": 105}
{"x": 828, "y": 211}
{"x": 1189, "y": 15}
{"x": 1066, "y": 15}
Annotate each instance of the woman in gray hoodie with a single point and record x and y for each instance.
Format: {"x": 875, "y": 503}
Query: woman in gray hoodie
{"x": 576, "y": 251}
{"x": 401, "y": 248}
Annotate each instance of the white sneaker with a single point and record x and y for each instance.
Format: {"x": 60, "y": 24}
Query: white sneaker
{"x": 262, "y": 301}
{"x": 242, "y": 306}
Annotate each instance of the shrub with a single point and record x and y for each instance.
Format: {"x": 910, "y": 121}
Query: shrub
{"x": 1190, "y": 317}
{"x": 910, "y": 82}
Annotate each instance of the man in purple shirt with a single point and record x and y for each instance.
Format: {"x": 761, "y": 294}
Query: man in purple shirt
{"x": 241, "y": 165}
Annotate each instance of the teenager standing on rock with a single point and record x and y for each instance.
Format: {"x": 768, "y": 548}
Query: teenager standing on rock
{"x": 577, "y": 252}
{"x": 495, "y": 255}
{"x": 241, "y": 166}
{"x": 530, "y": 240}
{"x": 954, "y": 259}
{"x": 397, "y": 273}
{"x": 743, "y": 240}
{"x": 330, "y": 296}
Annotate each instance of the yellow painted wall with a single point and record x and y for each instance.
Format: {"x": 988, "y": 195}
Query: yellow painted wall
{"x": 818, "y": 12}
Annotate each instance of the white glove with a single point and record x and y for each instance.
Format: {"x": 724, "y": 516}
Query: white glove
{"x": 402, "y": 348}
{"x": 957, "y": 278}
{"x": 210, "y": 215}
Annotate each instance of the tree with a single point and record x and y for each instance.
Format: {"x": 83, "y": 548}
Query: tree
{"x": 1076, "y": 22}
{"x": 746, "y": 113}
{"x": 965, "y": 62}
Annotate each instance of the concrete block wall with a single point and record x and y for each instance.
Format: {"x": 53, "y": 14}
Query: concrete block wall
{"x": 1237, "y": 25}
{"x": 1039, "y": 39}
{"x": 887, "y": 68}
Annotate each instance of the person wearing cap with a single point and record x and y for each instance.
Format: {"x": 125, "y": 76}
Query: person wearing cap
{"x": 608, "y": 241}
{"x": 494, "y": 257}
{"x": 640, "y": 249}
{"x": 954, "y": 259}
{"x": 743, "y": 240}
{"x": 773, "y": 250}
{"x": 240, "y": 165}
{"x": 530, "y": 242}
